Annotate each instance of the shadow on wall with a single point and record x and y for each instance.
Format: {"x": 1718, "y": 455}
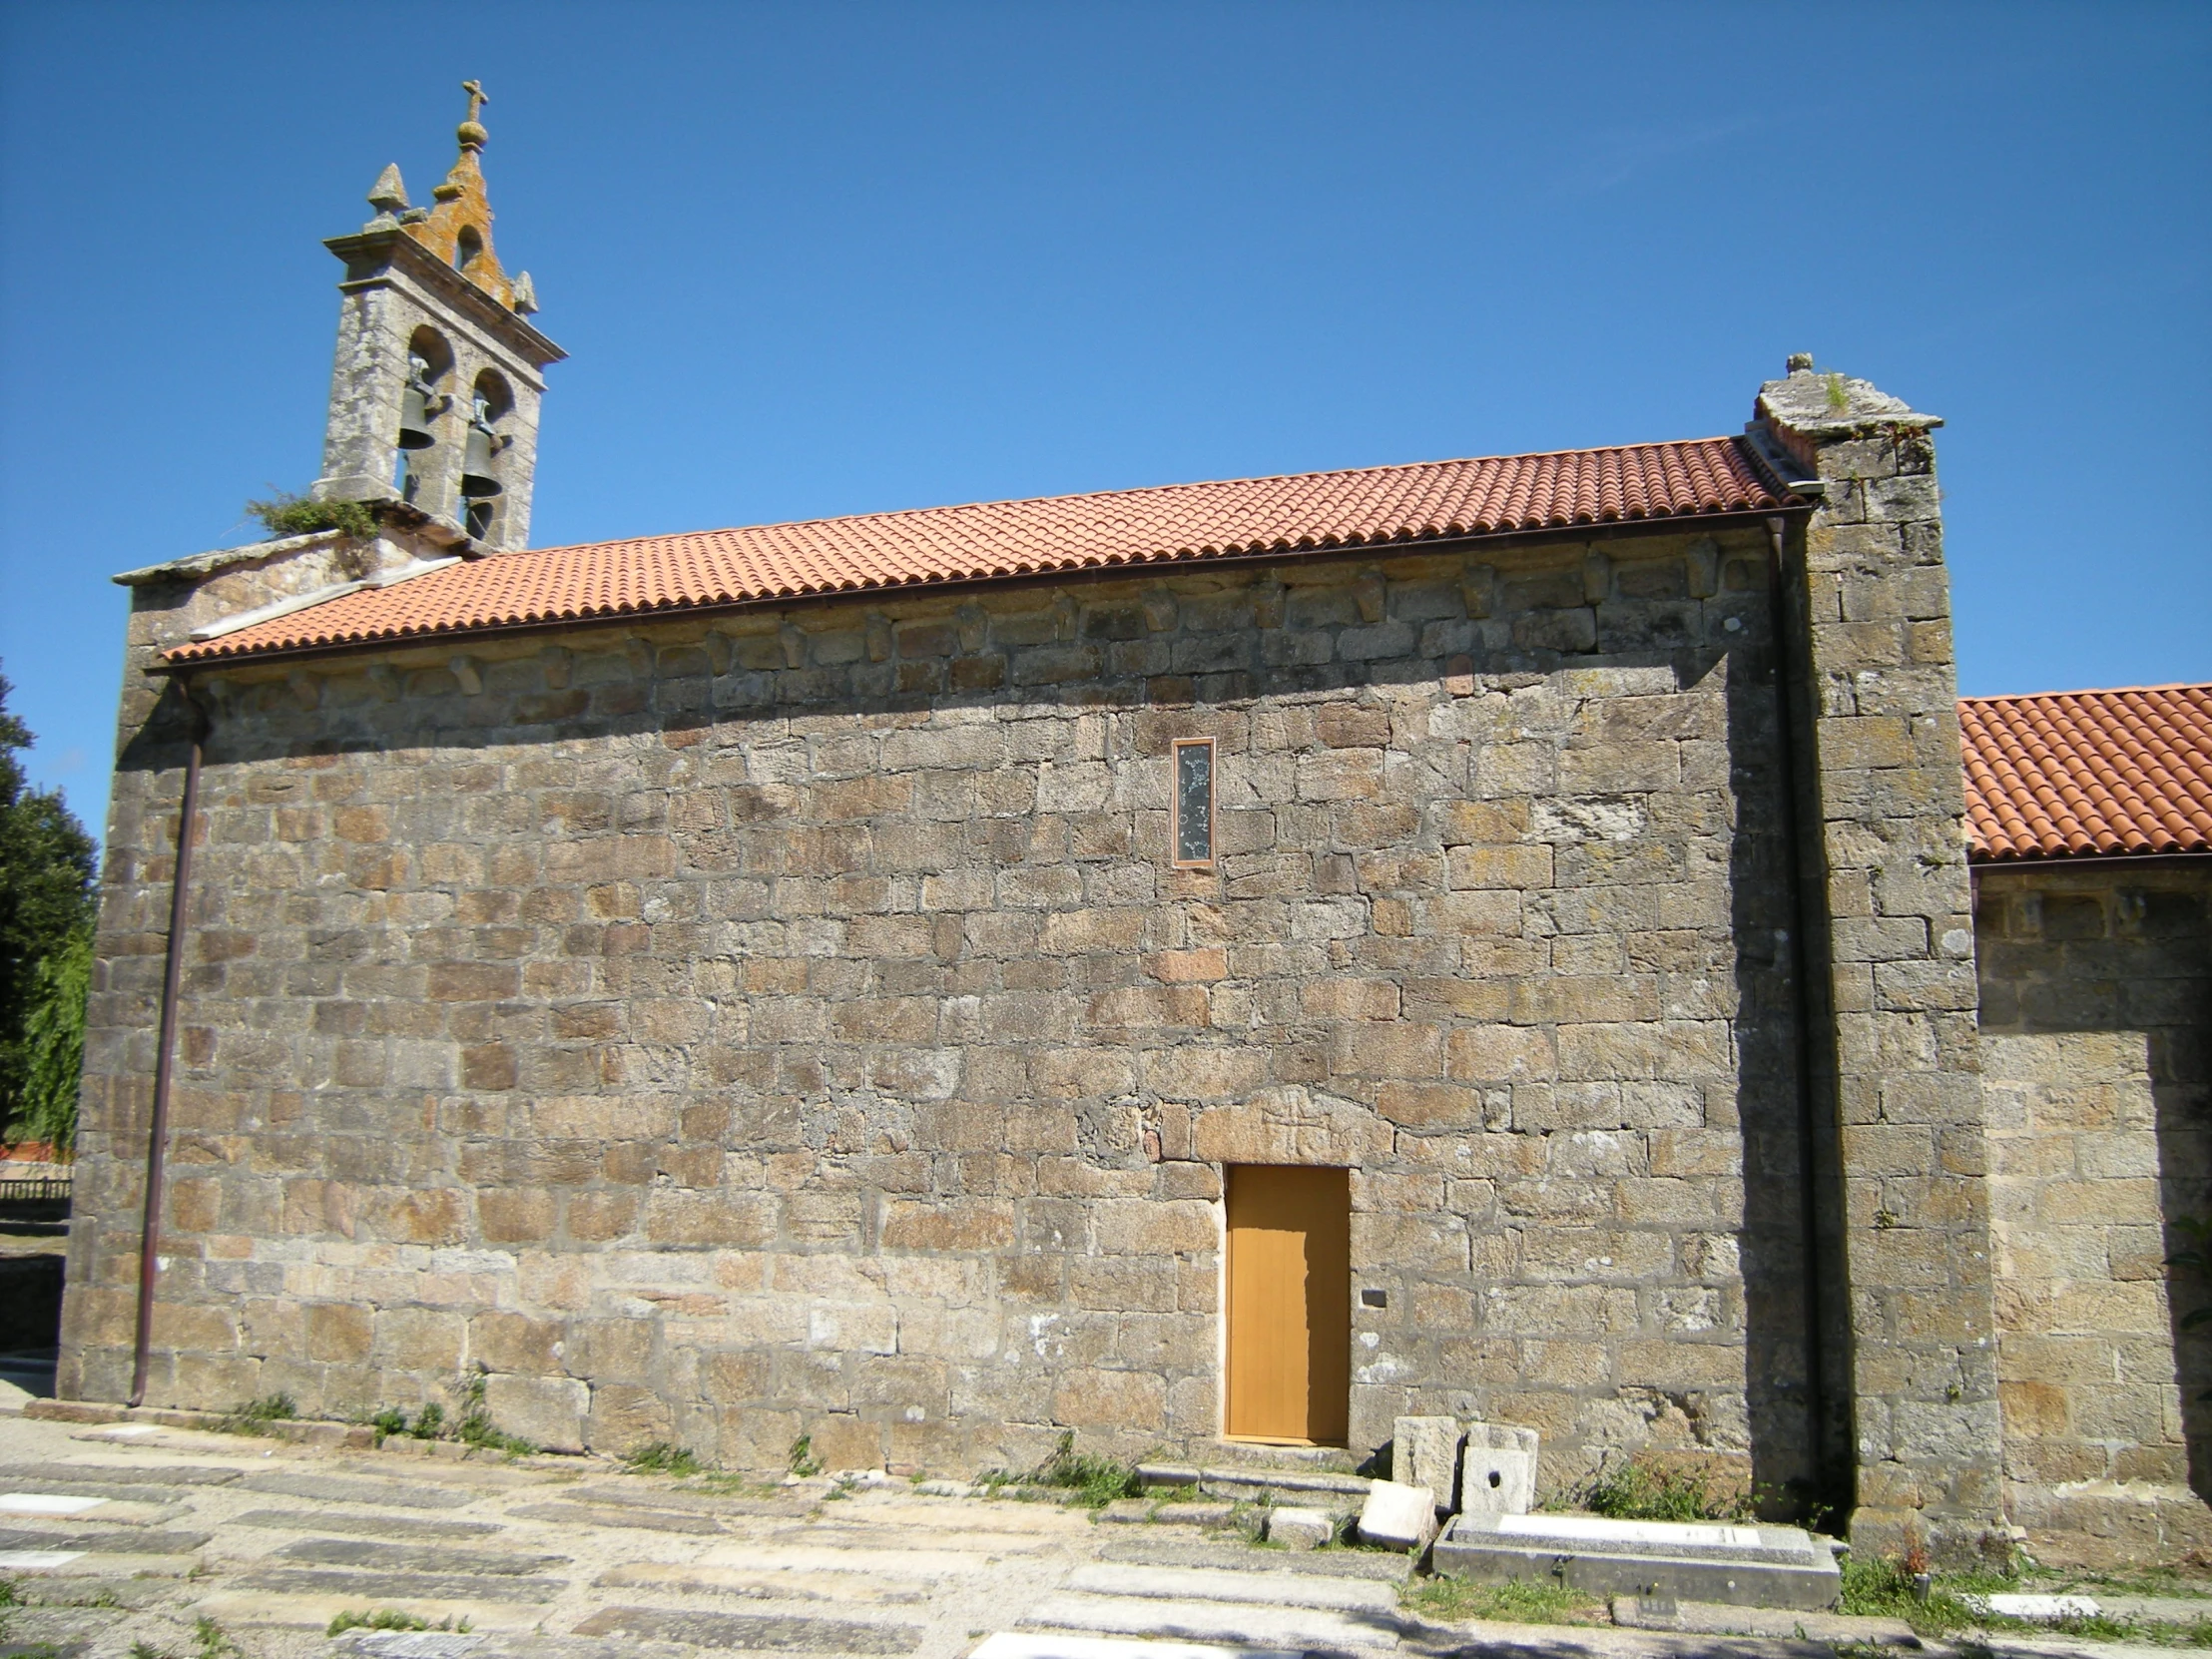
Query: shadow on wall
{"x": 1790, "y": 1357}
{"x": 2096, "y": 1005}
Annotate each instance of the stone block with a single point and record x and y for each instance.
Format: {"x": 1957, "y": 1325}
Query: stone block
{"x": 1425, "y": 1451}
{"x": 548, "y": 1411}
{"x": 1300, "y": 1528}
{"x": 1499, "y": 1470}
{"x": 1397, "y": 1516}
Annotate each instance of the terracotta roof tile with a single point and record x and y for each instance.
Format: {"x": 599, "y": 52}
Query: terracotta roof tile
{"x": 1180, "y": 522}
{"x": 2080, "y": 774}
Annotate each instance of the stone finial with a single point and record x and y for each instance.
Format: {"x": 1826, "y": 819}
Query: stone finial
{"x": 389, "y": 193}
{"x": 1799, "y": 362}
{"x": 526, "y": 294}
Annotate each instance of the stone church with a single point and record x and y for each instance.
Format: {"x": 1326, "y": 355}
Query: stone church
{"x": 1212, "y": 966}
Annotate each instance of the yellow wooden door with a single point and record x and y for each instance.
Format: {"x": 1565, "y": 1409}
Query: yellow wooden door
{"x": 1290, "y": 1304}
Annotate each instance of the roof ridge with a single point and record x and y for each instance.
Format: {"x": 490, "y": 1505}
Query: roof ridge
{"x": 1734, "y": 439}
{"x": 2088, "y": 691}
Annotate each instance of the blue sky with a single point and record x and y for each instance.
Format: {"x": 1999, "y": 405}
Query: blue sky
{"x": 824, "y": 259}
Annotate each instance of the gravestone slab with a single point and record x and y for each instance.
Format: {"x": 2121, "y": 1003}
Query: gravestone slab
{"x": 1398, "y": 1516}
{"x": 1425, "y": 1451}
{"x": 1743, "y": 1566}
{"x": 1501, "y": 1471}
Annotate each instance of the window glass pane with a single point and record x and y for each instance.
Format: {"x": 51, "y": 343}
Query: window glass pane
{"x": 1194, "y": 803}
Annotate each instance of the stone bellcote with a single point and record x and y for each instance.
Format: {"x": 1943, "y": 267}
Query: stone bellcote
{"x": 435, "y": 389}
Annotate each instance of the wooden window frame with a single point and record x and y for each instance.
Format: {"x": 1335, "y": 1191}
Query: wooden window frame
{"x": 1175, "y": 803}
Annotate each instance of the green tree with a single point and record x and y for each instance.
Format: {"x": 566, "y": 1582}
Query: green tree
{"x": 46, "y": 914}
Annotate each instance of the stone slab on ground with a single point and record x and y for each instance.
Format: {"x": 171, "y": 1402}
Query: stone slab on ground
{"x": 236, "y": 1609}
{"x": 390, "y": 1557}
{"x": 1278, "y": 1588}
{"x": 33, "y": 1476}
{"x": 1398, "y": 1516}
{"x": 2167, "y": 1609}
{"x": 1243, "y": 1623}
{"x": 776, "y": 1633}
{"x": 79, "y": 1563}
{"x": 338, "y": 1489}
{"x": 1754, "y": 1566}
{"x": 388, "y": 1588}
{"x": 853, "y": 1582}
{"x": 921, "y": 1562}
{"x": 83, "y": 1506}
{"x": 1059, "y": 1645}
{"x": 1719, "y": 1619}
{"x": 375, "y": 1526}
{"x": 439, "y": 1644}
{"x": 607, "y": 1514}
{"x": 110, "y": 1543}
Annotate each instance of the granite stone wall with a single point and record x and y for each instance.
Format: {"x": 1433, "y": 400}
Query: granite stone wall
{"x": 2096, "y": 1035}
{"x": 790, "y": 1021}
{"x": 1898, "y": 1067}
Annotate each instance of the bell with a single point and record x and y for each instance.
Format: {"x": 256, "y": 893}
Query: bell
{"x": 414, "y": 418}
{"x": 476, "y": 474}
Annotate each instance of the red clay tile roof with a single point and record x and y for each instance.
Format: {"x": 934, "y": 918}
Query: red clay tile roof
{"x": 1390, "y": 505}
{"x": 2078, "y": 774}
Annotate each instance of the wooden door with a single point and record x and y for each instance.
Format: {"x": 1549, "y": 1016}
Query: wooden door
{"x": 1289, "y": 1304}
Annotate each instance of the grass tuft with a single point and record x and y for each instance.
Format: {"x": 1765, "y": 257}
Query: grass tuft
{"x": 390, "y": 1618}
{"x": 1519, "y": 1601}
{"x": 254, "y": 1416}
{"x": 804, "y": 1462}
{"x": 297, "y": 515}
{"x": 660, "y": 1458}
{"x": 1639, "y": 1491}
{"x": 1099, "y": 1479}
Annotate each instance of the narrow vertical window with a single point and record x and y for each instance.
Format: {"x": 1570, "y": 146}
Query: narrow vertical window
{"x": 1194, "y": 800}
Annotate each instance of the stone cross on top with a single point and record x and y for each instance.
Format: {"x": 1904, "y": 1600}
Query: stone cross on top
{"x": 477, "y": 98}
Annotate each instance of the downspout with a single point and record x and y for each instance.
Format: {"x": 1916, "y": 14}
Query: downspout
{"x": 1816, "y": 1300}
{"x": 157, "y": 1136}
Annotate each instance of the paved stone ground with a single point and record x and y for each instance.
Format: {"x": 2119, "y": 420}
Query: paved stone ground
{"x": 120, "y": 1536}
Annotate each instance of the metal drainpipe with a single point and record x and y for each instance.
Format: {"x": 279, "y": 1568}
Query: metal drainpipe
{"x": 157, "y": 1137}
{"x": 1816, "y": 1358}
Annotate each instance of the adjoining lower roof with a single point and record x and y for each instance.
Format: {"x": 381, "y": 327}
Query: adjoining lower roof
{"x": 2086, "y": 773}
{"x": 1374, "y": 506}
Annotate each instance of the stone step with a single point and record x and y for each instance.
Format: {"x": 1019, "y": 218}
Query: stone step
{"x": 1244, "y": 1623}
{"x": 1318, "y": 1487}
{"x": 1142, "y": 1546}
{"x": 1748, "y": 1566}
{"x": 1060, "y": 1645}
{"x": 774, "y": 1632}
{"x": 374, "y": 1527}
{"x": 1268, "y": 1589}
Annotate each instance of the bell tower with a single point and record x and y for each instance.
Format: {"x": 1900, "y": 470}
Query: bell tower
{"x": 434, "y": 393}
